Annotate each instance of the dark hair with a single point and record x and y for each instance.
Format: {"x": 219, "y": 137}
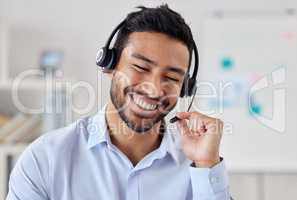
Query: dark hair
{"x": 160, "y": 19}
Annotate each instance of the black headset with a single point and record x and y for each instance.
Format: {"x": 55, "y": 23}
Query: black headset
{"x": 106, "y": 59}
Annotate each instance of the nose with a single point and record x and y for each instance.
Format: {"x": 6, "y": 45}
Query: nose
{"x": 153, "y": 87}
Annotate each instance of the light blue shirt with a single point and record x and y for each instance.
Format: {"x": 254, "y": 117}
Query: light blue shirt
{"x": 79, "y": 162}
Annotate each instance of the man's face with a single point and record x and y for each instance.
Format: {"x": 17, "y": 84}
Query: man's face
{"x": 148, "y": 78}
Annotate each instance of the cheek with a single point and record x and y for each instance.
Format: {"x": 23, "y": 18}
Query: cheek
{"x": 172, "y": 90}
{"x": 173, "y": 98}
{"x": 123, "y": 79}
{"x": 129, "y": 77}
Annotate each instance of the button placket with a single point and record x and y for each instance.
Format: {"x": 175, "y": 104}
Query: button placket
{"x": 133, "y": 186}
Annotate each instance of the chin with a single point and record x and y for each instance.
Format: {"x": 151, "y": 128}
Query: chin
{"x": 138, "y": 123}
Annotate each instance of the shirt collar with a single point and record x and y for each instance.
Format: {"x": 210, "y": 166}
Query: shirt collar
{"x": 97, "y": 129}
{"x": 98, "y": 134}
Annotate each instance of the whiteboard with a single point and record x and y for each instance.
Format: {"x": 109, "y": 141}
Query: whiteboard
{"x": 248, "y": 78}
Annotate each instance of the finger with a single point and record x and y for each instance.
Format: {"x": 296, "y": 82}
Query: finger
{"x": 183, "y": 126}
{"x": 196, "y": 124}
{"x": 185, "y": 131}
{"x": 215, "y": 126}
{"x": 183, "y": 115}
{"x": 187, "y": 115}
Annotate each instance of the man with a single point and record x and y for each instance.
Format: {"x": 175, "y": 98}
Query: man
{"x": 126, "y": 151}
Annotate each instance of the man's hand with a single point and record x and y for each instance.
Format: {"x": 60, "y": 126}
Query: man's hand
{"x": 200, "y": 138}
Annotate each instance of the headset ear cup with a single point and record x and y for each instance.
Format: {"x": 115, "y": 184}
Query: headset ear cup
{"x": 184, "y": 88}
{"x": 182, "y": 92}
{"x": 191, "y": 86}
{"x": 112, "y": 60}
{"x": 106, "y": 59}
{"x": 188, "y": 86}
{"x": 101, "y": 57}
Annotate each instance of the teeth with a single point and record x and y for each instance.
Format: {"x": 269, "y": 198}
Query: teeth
{"x": 144, "y": 105}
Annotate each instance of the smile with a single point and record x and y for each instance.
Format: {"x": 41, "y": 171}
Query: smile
{"x": 143, "y": 104}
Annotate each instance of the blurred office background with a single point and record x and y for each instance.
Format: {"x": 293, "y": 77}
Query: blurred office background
{"x": 248, "y": 56}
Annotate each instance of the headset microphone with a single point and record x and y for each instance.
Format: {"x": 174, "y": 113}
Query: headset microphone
{"x": 174, "y": 119}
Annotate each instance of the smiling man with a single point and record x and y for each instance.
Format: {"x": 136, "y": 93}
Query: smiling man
{"x": 126, "y": 150}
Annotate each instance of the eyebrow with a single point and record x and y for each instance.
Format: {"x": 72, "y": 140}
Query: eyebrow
{"x": 169, "y": 68}
{"x": 143, "y": 58}
{"x": 175, "y": 69}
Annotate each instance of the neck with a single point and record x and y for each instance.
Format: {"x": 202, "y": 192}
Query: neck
{"x": 134, "y": 145}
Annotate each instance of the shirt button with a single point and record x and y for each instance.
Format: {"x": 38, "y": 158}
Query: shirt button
{"x": 214, "y": 179}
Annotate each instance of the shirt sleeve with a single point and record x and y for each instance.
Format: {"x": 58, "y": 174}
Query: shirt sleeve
{"x": 27, "y": 180}
{"x": 210, "y": 183}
